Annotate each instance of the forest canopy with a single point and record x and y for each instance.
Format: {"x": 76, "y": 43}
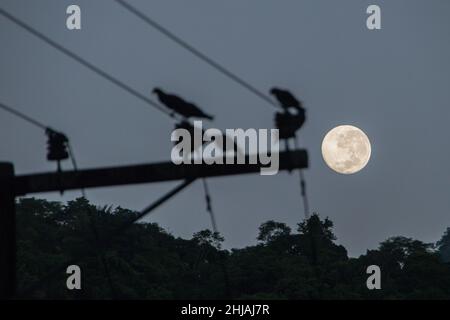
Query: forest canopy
{"x": 143, "y": 261}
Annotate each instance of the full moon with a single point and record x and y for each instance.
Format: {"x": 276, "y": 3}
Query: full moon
{"x": 346, "y": 149}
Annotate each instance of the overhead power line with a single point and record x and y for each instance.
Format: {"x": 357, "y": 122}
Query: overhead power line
{"x": 84, "y": 62}
{"x": 209, "y": 206}
{"x": 303, "y": 193}
{"x": 23, "y": 116}
{"x": 196, "y": 52}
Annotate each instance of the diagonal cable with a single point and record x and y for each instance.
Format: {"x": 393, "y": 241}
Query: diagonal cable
{"x": 84, "y": 62}
{"x": 196, "y": 52}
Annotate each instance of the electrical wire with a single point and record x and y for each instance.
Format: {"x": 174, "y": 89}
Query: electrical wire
{"x": 84, "y": 62}
{"x": 23, "y": 116}
{"x": 196, "y": 52}
{"x": 209, "y": 206}
{"x": 303, "y": 193}
{"x": 303, "y": 187}
{"x": 74, "y": 165}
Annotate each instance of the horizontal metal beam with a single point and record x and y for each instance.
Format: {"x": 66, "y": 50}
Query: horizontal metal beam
{"x": 146, "y": 173}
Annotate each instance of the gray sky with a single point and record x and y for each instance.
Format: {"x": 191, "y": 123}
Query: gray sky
{"x": 393, "y": 84}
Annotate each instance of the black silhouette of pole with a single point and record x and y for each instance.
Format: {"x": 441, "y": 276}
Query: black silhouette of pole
{"x": 7, "y": 232}
{"x": 147, "y": 173}
{"x": 153, "y": 206}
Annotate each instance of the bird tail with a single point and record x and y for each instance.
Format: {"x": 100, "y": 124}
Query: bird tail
{"x": 207, "y": 116}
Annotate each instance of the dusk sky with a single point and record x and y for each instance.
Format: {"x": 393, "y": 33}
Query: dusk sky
{"x": 393, "y": 83}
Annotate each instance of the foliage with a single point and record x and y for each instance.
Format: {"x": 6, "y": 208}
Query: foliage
{"x": 145, "y": 262}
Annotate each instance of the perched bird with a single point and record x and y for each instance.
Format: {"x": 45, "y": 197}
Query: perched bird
{"x": 286, "y": 99}
{"x": 288, "y": 122}
{"x": 180, "y": 106}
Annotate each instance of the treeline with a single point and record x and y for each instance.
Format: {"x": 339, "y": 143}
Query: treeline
{"x": 146, "y": 262}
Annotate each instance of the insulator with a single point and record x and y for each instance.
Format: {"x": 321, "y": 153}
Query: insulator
{"x": 288, "y": 124}
{"x": 57, "y": 145}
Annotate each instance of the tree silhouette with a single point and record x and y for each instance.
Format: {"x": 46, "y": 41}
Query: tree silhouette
{"x": 146, "y": 262}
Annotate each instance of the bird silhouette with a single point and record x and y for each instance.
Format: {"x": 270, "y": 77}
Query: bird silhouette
{"x": 180, "y": 106}
{"x": 286, "y": 99}
{"x": 288, "y": 122}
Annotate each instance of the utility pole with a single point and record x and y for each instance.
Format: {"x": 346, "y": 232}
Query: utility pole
{"x": 7, "y": 232}
{"x": 12, "y": 186}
